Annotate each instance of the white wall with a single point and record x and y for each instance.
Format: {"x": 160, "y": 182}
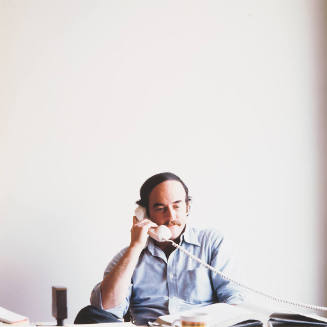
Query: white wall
{"x": 96, "y": 96}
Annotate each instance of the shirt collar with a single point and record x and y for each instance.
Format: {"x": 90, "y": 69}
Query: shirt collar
{"x": 154, "y": 250}
{"x": 189, "y": 236}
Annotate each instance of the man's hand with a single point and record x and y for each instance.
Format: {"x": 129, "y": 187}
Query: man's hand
{"x": 139, "y": 232}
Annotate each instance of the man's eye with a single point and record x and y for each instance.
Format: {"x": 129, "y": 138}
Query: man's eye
{"x": 159, "y": 209}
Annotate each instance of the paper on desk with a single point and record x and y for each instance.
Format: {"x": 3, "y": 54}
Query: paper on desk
{"x": 220, "y": 314}
{"x": 11, "y": 317}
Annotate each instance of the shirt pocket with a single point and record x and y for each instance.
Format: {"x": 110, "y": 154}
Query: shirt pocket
{"x": 194, "y": 286}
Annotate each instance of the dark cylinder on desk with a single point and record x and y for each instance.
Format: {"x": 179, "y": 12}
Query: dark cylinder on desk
{"x": 59, "y": 304}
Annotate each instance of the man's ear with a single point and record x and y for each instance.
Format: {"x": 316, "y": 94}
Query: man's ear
{"x": 188, "y": 207}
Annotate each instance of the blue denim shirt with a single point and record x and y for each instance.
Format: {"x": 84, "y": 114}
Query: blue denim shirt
{"x": 161, "y": 286}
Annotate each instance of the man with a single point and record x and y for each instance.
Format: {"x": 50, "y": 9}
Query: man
{"x": 151, "y": 278}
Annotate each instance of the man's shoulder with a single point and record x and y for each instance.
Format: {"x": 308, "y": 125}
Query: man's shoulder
{"x": 205, "y": 232}
{"x": 205, "y": 235}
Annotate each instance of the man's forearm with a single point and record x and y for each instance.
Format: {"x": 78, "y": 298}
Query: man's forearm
{"x": 114, "y": 286}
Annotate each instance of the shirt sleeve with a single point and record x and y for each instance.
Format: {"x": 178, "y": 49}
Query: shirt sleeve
{"x": 226, "y": 291}
{"x": 96, "y": 298}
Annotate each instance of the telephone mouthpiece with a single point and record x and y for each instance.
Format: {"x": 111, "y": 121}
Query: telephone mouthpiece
{"x": 160, "y": 234}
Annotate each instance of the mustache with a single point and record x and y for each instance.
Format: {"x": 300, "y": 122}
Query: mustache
{"x": 174, "y": 222}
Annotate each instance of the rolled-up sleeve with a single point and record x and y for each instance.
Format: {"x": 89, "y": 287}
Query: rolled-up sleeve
{"x": 96, "y": 297}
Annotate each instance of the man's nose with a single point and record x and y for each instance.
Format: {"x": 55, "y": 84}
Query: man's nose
{"x": 171, "y": 214}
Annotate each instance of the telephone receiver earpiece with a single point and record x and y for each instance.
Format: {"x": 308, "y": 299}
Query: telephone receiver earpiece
{"x": 160, "y": 234}
{"x": 140, "y": 213}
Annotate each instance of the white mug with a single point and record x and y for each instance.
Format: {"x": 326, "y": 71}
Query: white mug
{"x": 199, "y": 319}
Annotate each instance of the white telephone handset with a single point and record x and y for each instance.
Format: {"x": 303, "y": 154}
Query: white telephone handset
{"x": 160, "y": 234}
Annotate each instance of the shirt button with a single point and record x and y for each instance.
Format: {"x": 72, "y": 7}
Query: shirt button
{"x": 172, "y": 276}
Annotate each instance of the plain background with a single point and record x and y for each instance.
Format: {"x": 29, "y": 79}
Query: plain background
{"x": 96, "y": 96}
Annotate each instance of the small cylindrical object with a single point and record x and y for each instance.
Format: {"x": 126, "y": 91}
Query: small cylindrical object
{"x": 59, "y": 304}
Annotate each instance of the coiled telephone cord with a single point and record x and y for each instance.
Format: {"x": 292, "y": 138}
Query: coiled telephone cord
{"x": 271, "y": 297}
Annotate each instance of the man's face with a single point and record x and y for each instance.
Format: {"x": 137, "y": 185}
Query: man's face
{"x": 167, "y": 206}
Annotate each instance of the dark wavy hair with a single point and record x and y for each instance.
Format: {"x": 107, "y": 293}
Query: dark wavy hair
{"x": 152, "y": 182}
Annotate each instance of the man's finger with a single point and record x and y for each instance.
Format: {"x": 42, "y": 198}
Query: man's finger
{"x": 135, "y": 220}
{"x": 150, "y": 224}
{"x": 140, "y": 223}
